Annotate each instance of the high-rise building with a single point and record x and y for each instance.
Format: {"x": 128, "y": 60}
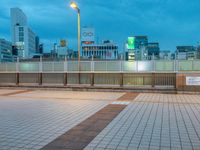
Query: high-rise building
{"x": 198, "y": 52}
{"x": 136, "y": 48}
{"x": 5, "y": 51}
{"x": 37, "y": 44}
{"x": 153, "y": 50}
{"x": 22, "y": 36}
{"x": 141, "y": 43}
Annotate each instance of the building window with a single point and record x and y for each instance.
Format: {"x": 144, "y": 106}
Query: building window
{"x": 21, "y": 33}
{"x": 21, "y": 39}
{"x": 21, "y": 29}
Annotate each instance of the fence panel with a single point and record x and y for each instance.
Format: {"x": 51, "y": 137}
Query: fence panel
{"x": 128, "y": 66}
{"x": 185, "y": 65}
{"x": 145, "y": 66}
{"x": 29, "y": 67}
{"x": 164, "y": 65}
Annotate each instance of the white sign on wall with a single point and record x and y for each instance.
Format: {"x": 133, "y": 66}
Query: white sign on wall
{"x": 193, "y": 81}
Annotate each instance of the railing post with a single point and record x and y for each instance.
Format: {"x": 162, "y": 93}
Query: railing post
{"x": 154, "y": 65}
{"x": 121, "y": 79}
{"x": 153, "y": 80}
{"x": 174, "y": 65}
{"x": 137, "y": 67}
{"x": 92, "y": 72}
{"x": 65, "y": 71}
{"x": 65, "y": 79}
{"x": 79, "y": 73}
{"x": 177, "y": 66}
{"x": 40, "y": 71}
{"x": 121, "y": 68}
{"x": 17, "y": 72}
{"x": 192, "y": 65}
{"x": 92, "y": 79}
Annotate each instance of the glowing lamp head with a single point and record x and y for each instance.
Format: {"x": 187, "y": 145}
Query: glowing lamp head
{"x": 73, "y": 5}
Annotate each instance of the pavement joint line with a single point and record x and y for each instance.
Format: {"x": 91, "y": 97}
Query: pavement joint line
{"x": 59, "y": 98}
{"x": 121, "y": 103}
{"x": 16, "y": 92}
{"x": 181, "y": 103}
{"x": 81, "y": 135}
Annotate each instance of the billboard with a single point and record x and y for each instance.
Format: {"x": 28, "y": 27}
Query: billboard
{"x": 63, "y": 43}
{"x": 87, "y": 35}
{"x": 131, "y": 43}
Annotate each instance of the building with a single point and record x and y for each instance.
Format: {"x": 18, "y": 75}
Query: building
{"x": 41, "y": 48}
{"x": 62, "y": 49}
{"x": 106, "y": 50}
{"x": 5, "y": 51}
{"x": 153, "y": 50}
{"x": 186, "y": 52}
{"x": 198, "y": 52}
{"x": 135, "y": 48}
{"x": 37, "y": 44}
{"x": 22, "y": 35}
{"x": 165, "y": 55}
{"x": 141, "y": 43}
{"x": 91, "y": 49}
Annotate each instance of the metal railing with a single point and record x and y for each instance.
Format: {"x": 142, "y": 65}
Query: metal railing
{"x": 102, "y": 66}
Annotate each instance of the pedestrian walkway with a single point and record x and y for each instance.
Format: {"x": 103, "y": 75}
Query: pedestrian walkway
{"x": 31, "y": 123}
{"x": 156, "y": 122}
{"x": 33, "y": 120}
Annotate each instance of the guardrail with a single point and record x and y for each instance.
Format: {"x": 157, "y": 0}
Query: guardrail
{"x": 102, "y": 66}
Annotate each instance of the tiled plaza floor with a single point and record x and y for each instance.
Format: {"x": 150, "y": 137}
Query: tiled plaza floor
{"x": 32, "y": 119}
{"x": 31, "y": 123}
{"x": 156, "y": 122}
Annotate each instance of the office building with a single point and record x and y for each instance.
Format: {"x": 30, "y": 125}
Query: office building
{"x": 186, "y": 52}
{"x": 5, "y": 51}
{"x": 91, "y": 49}
{"x": 22, "y": 35}
{"x": 198, "y": 52}
{"x": 153, "y": 50}
{"x": 141, "y": 43}
{"x": 165, "y": 55}
{"x": 105, "y": 50}
{"x": 136, "y": 48}
{"x": 37, "y": 44}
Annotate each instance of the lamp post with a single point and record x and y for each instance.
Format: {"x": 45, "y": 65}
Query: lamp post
{"x": 75, "y": 6}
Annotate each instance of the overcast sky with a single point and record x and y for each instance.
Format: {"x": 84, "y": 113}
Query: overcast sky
{"x": 169, "y": 22}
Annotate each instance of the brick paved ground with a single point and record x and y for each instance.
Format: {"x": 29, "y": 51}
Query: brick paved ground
{"x": 31, "y": 123}
{"x": 31, "y": 120}
{"x": 81, "y": 135}
{"x": 154, "y": 121}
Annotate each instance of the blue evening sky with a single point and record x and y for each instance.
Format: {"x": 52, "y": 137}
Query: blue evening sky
{"x": 169, "y": 22}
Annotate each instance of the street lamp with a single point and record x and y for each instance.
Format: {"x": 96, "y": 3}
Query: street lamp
{"x": 75, "y": 6}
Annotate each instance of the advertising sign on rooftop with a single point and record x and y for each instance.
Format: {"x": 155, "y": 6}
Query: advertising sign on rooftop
{"x": 131, "y": 43}
{"x": 88, "y": 35}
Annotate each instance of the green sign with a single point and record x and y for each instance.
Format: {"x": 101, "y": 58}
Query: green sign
{"x": 131, "y": 43}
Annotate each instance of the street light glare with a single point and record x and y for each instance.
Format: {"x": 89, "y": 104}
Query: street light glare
{"x": 74, "y": 5}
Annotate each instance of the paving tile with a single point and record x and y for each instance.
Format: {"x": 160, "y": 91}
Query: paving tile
{"x": 31, "y": 123}
{"x": 157, "y": 121}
